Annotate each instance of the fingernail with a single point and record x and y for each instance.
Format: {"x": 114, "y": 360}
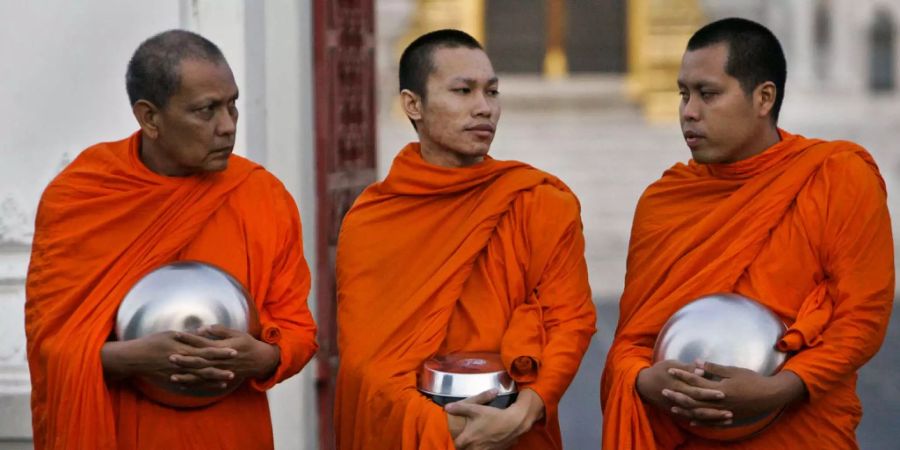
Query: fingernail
{"x": 233, "y": 353}
{"x": 728, "y": 415}
{"x": 693, "y": 423}
{"x": 223, "y": 385}
{"x": 174, "y": 378}
{"x": 231, "y": 376}
{"x": 728, "y": 422}
{"x": 675, "y": 409}
{"x": 173, "y": 358}
{"x": 671, "y": 371}
{"x": 666, "y": 392}
{"x": 720, "y": 396}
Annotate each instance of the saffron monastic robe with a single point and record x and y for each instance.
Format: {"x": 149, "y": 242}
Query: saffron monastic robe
{"x": 802, "y": 227}
{"x": 105, "y": 221}
{"x": 437, "y": 260}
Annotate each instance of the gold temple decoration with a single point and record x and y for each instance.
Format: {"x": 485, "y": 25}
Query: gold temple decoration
{"x": 658, "y": 31}
{"x": 555, "y": 62}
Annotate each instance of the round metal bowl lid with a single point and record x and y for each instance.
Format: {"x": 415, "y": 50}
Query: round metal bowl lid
{"x": 465, "y": 375}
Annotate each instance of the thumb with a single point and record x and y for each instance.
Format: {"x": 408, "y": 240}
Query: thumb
{"x": 218, "y": 331}
{"x": 482, "y": 398}
{"x": 721, "y": 371}
{"x": 461, "y": 408}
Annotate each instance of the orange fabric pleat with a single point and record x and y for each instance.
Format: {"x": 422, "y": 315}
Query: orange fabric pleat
{"x": 436, "y": 260}
{"x": 105, "y": 221}
{"x": 802, "y": 227}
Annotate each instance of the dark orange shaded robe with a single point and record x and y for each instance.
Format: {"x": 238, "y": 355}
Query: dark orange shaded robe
{"x": 436, "y": 260}
{"x": 802, "y": 227}
{"x": 104, "y": 222}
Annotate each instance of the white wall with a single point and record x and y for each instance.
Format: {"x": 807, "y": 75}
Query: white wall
{"x": 63, "y": 89}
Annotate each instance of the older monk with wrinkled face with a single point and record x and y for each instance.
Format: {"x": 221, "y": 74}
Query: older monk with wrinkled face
{"x": 172, "y": 191}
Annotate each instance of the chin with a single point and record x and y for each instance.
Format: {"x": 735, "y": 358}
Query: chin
{"x": 217, "y": 166}
{"x": 705, "y": 156}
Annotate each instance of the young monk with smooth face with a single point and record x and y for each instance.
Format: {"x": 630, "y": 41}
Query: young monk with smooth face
{"x": 172, "y": 191}
{"x": 799, "y": 224}
{"x": 457, "y": 252}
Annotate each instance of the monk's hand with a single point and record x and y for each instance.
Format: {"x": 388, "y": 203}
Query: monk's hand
{"x": 746, "y": 393}
{"x": 456, "y": 423}
{"x": 150, "y": 357}
{"x": 491, "y": 428}
{"x": 660, "y": 386}
{"x": 252, "y": 358}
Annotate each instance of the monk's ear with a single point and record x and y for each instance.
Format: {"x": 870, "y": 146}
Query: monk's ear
{"x": 412, "y": 104}
{"x": 764, "y": 98}
{"x": 147, "y": 115}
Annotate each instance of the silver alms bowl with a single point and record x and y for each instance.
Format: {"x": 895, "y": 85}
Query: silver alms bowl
{"x": 184, "y": 296}
{"x": 725, "y": 329}
{"x": 450, "y": 378}
{"x": 729, "y": 330}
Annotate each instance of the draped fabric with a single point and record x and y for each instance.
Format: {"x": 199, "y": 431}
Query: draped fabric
{"x": 803, "y": 228}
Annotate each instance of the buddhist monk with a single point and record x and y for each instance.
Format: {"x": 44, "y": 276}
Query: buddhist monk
{"x": 800, "y": 225}
{"x": 171, "y": 191}
{"x": 457, "y": 252}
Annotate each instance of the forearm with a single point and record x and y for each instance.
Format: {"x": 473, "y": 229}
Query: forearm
{"x": 561, "y": 360}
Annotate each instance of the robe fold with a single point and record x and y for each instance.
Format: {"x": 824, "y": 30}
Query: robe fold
{"x": 107, "y": 220}
{"x": 803, "y": 228}
{"x": 434, "y": 261}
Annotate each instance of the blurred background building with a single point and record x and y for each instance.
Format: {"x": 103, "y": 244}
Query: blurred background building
{"x": 588, "y": 91}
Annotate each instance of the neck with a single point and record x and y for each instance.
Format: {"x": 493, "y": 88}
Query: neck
{"x": 769, "y": 137}
{"x": 153, "y": 158}
{"x": 434, "y": 154}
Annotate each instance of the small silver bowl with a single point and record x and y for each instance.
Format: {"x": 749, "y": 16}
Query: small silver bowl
{"x": 450, "y": 378}
{"x": 184, "y": 296}
{"x": 729, "y": 330}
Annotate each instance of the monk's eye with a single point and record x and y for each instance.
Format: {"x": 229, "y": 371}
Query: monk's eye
{"x": 493, "y": 92}
{"x": 205, "y": 112}
{"x": 708, "y": 95}
{"x": 462, "y": 90}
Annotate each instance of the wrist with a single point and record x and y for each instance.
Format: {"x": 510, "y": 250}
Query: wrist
{"x": 115, "y": 361}
{"x": 532, "y": 405}
{"x": 789, "y": 387}
{"x": 271, "y": 359}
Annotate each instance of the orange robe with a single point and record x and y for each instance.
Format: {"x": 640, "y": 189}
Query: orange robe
{"x": 104, "y": 222}
{"x": 802, "y": 227}
{"x": 436, "y": 260}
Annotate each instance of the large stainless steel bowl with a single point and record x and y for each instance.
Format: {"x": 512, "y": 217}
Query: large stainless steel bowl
{"x": 729, "y": 330}
{"x": 184, "y": 296}
{"x": 450, "y": 378}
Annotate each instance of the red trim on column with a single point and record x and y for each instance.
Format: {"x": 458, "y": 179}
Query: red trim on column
{"x": 345, "y": 118}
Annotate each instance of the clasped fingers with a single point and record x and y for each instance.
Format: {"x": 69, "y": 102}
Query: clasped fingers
{"x": 704, "y": 416}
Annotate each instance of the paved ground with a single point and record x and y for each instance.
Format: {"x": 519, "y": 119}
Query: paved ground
{"x": 585, "y": 132}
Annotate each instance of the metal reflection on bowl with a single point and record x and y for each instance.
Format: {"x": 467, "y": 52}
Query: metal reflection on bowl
{"x": 450, "y": 378}
{"x": 184, "y": 296}
{"x": 729, "y": 330}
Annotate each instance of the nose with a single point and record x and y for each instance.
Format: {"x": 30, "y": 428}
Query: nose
{"x": 227, "y": 121}
{"x": 483, "y": 105}
{"x": 690, "y": 109}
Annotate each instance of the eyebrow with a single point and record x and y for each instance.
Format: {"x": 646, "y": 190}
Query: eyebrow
{"x": 699, "y": 84}
{"x": 215, "y": 101}
{"x": 474, "y": 81}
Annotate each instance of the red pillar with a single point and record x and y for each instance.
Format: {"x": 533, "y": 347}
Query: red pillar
{"x": 344, "y": 41}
